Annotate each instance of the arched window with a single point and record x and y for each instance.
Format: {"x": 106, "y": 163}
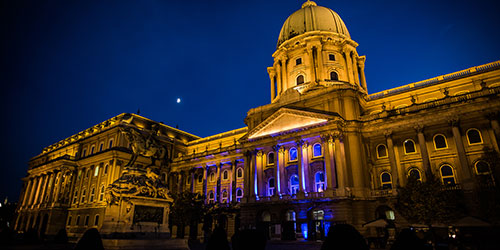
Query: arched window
{"x": 381, "y": 151}
{"x": 84, "y": 153}
{"x": 96, "y": 220}
{"x": 101, "y": 194}
{"x": 96, "y": 171}
{"x": 224, "y": 196}
{"x": 106, "y": 169}
{"x": 447, "y": 175}
{"x": 92, "y": 193}
{"x": 86, "y": 220}
{"x": 225, "y": 175}
{"x": 75, "y": 197}
{"x": 300, "y": 79}
{"x": 270, "y": 187}
{"x": 200, "y": 178}
{"x": 409, "y": 146}
{"x": 239, "y": 194}
{"x": 101, "y": 146}
{"x": 290, "y": 215}
{"x": 318, "y": 215}
{"x": 440, "y": 142}
{"x": 92, "y": 149}
{"x": 211, "y": 197}
{"x": 239, "y": 173}
{"x": 474, "y": 136}
{"x": 319, "y": 180}
{"x": 270, "y": 158}
{"x": 334, "y": 76}
{"x": 294, "y": 184}
{"x": 482, "y": 168}
{"x": 317, "y": 152}
{"x": 386, "y": 180}
{"x": 415, "y": 173}
{"x": 212, "y": 177}
{"x": 83, "y": 195}
{"x": 69, "y": 221}
{"x": 293, "y": 154}
{"x": 110, "y": 143}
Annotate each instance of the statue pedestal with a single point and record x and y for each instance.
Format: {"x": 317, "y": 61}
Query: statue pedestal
{"x": 137, "y": 217}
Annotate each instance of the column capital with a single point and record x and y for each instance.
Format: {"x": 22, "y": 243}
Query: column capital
{"x": 388, "y": 133}
{"x": 325, "y": 137}
{"x": 276, "y": 147}
{"x": 337, "y": 134}
{"x": 299, "y": 142}
{"x": 419, "y": 128}
{"x": 454, "y": 121}
{"x": 259, "y": 153}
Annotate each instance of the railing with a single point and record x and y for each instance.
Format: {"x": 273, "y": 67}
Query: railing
{"x": 315, "y": 195}
{"x": 383, "y": 193}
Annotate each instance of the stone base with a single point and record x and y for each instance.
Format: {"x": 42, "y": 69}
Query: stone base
{"x": 145, "y": 244}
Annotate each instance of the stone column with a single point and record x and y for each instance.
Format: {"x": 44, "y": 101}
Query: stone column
{"x": 44, "y": 190}
{"x": 247, "y": 177}
{"x": 284, "y": 77}
{"x": 283, "y": 177}
{"x": 392, "y": 159}
{"x": 355, "y": 70}
{"x": 423, "y": 148}
{"x": 347, "y": 56}
{"x": 37, "y": 190}
{"x": 276, "y": 171}
{"x": 361, "y": 63}
{"x": 232, "y": 190}
{"x": 271, "y": 76}
{"x": 191, "y": 188}
{"x": 339, "y": 163}
{"x": 253, "y": 175}
{"x": 27, "y": 192}
{"x": 300, "y": 169}
{"x": 464, "y": 165}
{"x": 260, "y": 174}
{"x": 280, "y": 81}
{"x": 320, "y": 62}
{"x": 331, "y": 177}
{"x": 219, "y": 179}
{"x": 305, "y": 168}
{"x": 356, "y": 160}
{"x": 205, "y": 179}
{"x": 312, "y": 70}
{"x": 493, "y": 118}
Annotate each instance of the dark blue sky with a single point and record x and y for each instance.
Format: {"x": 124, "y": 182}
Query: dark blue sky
{"x": 68, "y": 65}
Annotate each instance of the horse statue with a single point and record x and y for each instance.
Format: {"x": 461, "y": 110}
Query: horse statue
{"x": 148, "y": 147}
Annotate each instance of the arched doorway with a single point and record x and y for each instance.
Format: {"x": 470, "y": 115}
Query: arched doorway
{"x": 264, "y": 223}
{"x": 316, "y": 225}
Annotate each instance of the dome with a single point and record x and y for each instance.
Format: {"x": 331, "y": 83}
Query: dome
{"x": 312, "y": 17}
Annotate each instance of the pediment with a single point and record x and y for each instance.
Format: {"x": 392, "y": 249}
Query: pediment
{"x": 286, "y": 120}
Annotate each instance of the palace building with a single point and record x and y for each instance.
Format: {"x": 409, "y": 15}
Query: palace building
{"x": 323, "y": 151}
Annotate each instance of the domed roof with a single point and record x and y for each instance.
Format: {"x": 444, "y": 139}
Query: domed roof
{"x": 312, "y": 17}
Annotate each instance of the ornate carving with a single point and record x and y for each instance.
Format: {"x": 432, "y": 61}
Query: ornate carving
{"x": 299, "y": 142}
{"x": 337, "y": 134}
{"x": 259, "y": 153}
{"x": 388, "y": 133}
{"x": 454, "y": 121}
{"x": 419, "y": 128}
{"x": 134, "y": 182}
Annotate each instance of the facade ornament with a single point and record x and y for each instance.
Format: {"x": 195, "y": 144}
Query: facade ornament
{"x": 446, "y": 93}
{"x": 454, "y": 121}
{"x": 419, "y": 128}
{"x": 299, "y": 142}
{"x": 388, "y": 133}
{"x": 259, "y": 153}
{"x": 413, "y": 99}
{"x": 276, "y": 148}
{"x": 337, "y": 134}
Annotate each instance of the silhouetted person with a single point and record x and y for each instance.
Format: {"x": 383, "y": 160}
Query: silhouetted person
{"x": 344, "y": 237}
{"x": 91, "y": 240}
{"x": 408, "y": 240}
{"x": 218, "y": 240}
{"x": 249, "y": 239}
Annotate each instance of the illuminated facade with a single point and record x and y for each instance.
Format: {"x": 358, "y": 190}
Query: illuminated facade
{"x": 323, "y": 151}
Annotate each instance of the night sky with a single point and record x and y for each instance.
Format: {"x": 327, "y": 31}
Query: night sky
{"x": 68, "y": 65}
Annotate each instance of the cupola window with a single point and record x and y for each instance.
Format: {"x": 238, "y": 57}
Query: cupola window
{"x": 298, "y": 61}
{"x": 300, "y": 79}
{"x": 331, "y": 57}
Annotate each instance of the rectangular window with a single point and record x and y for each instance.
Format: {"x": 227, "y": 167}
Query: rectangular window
{"x": 69, "y": 221}
{"x": 77, "y": 221}
{"x": 298, "y": 61}
{"x": 86, "y": 220}
{"x": 331, "y": 57}
{"x": 96, "y": 221}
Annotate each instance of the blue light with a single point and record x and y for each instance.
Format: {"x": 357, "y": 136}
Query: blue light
{"x": 278, "y": 176}
{"x": 327, "y": 227}
{"x": 303, "y": 227}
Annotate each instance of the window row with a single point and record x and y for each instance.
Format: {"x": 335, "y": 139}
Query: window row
{"x": 448, "y": 175}
{"x": 86, "y": 221}
{"x": 83, "y": 197}
{"x": 101, "y": 148}
{"x": 224, "y": 196}
{"x": 92, "y": 171}
{"x": 473, "y": 137}
{"x": 293, "y": 184}
{"x": 292, "y": 154}
{"x": 334, "y": 76}
{"x": 225, "y": 175}
{"x": 298, "y": 61}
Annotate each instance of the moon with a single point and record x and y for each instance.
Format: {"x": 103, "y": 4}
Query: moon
{"x": 178, "y": 100}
